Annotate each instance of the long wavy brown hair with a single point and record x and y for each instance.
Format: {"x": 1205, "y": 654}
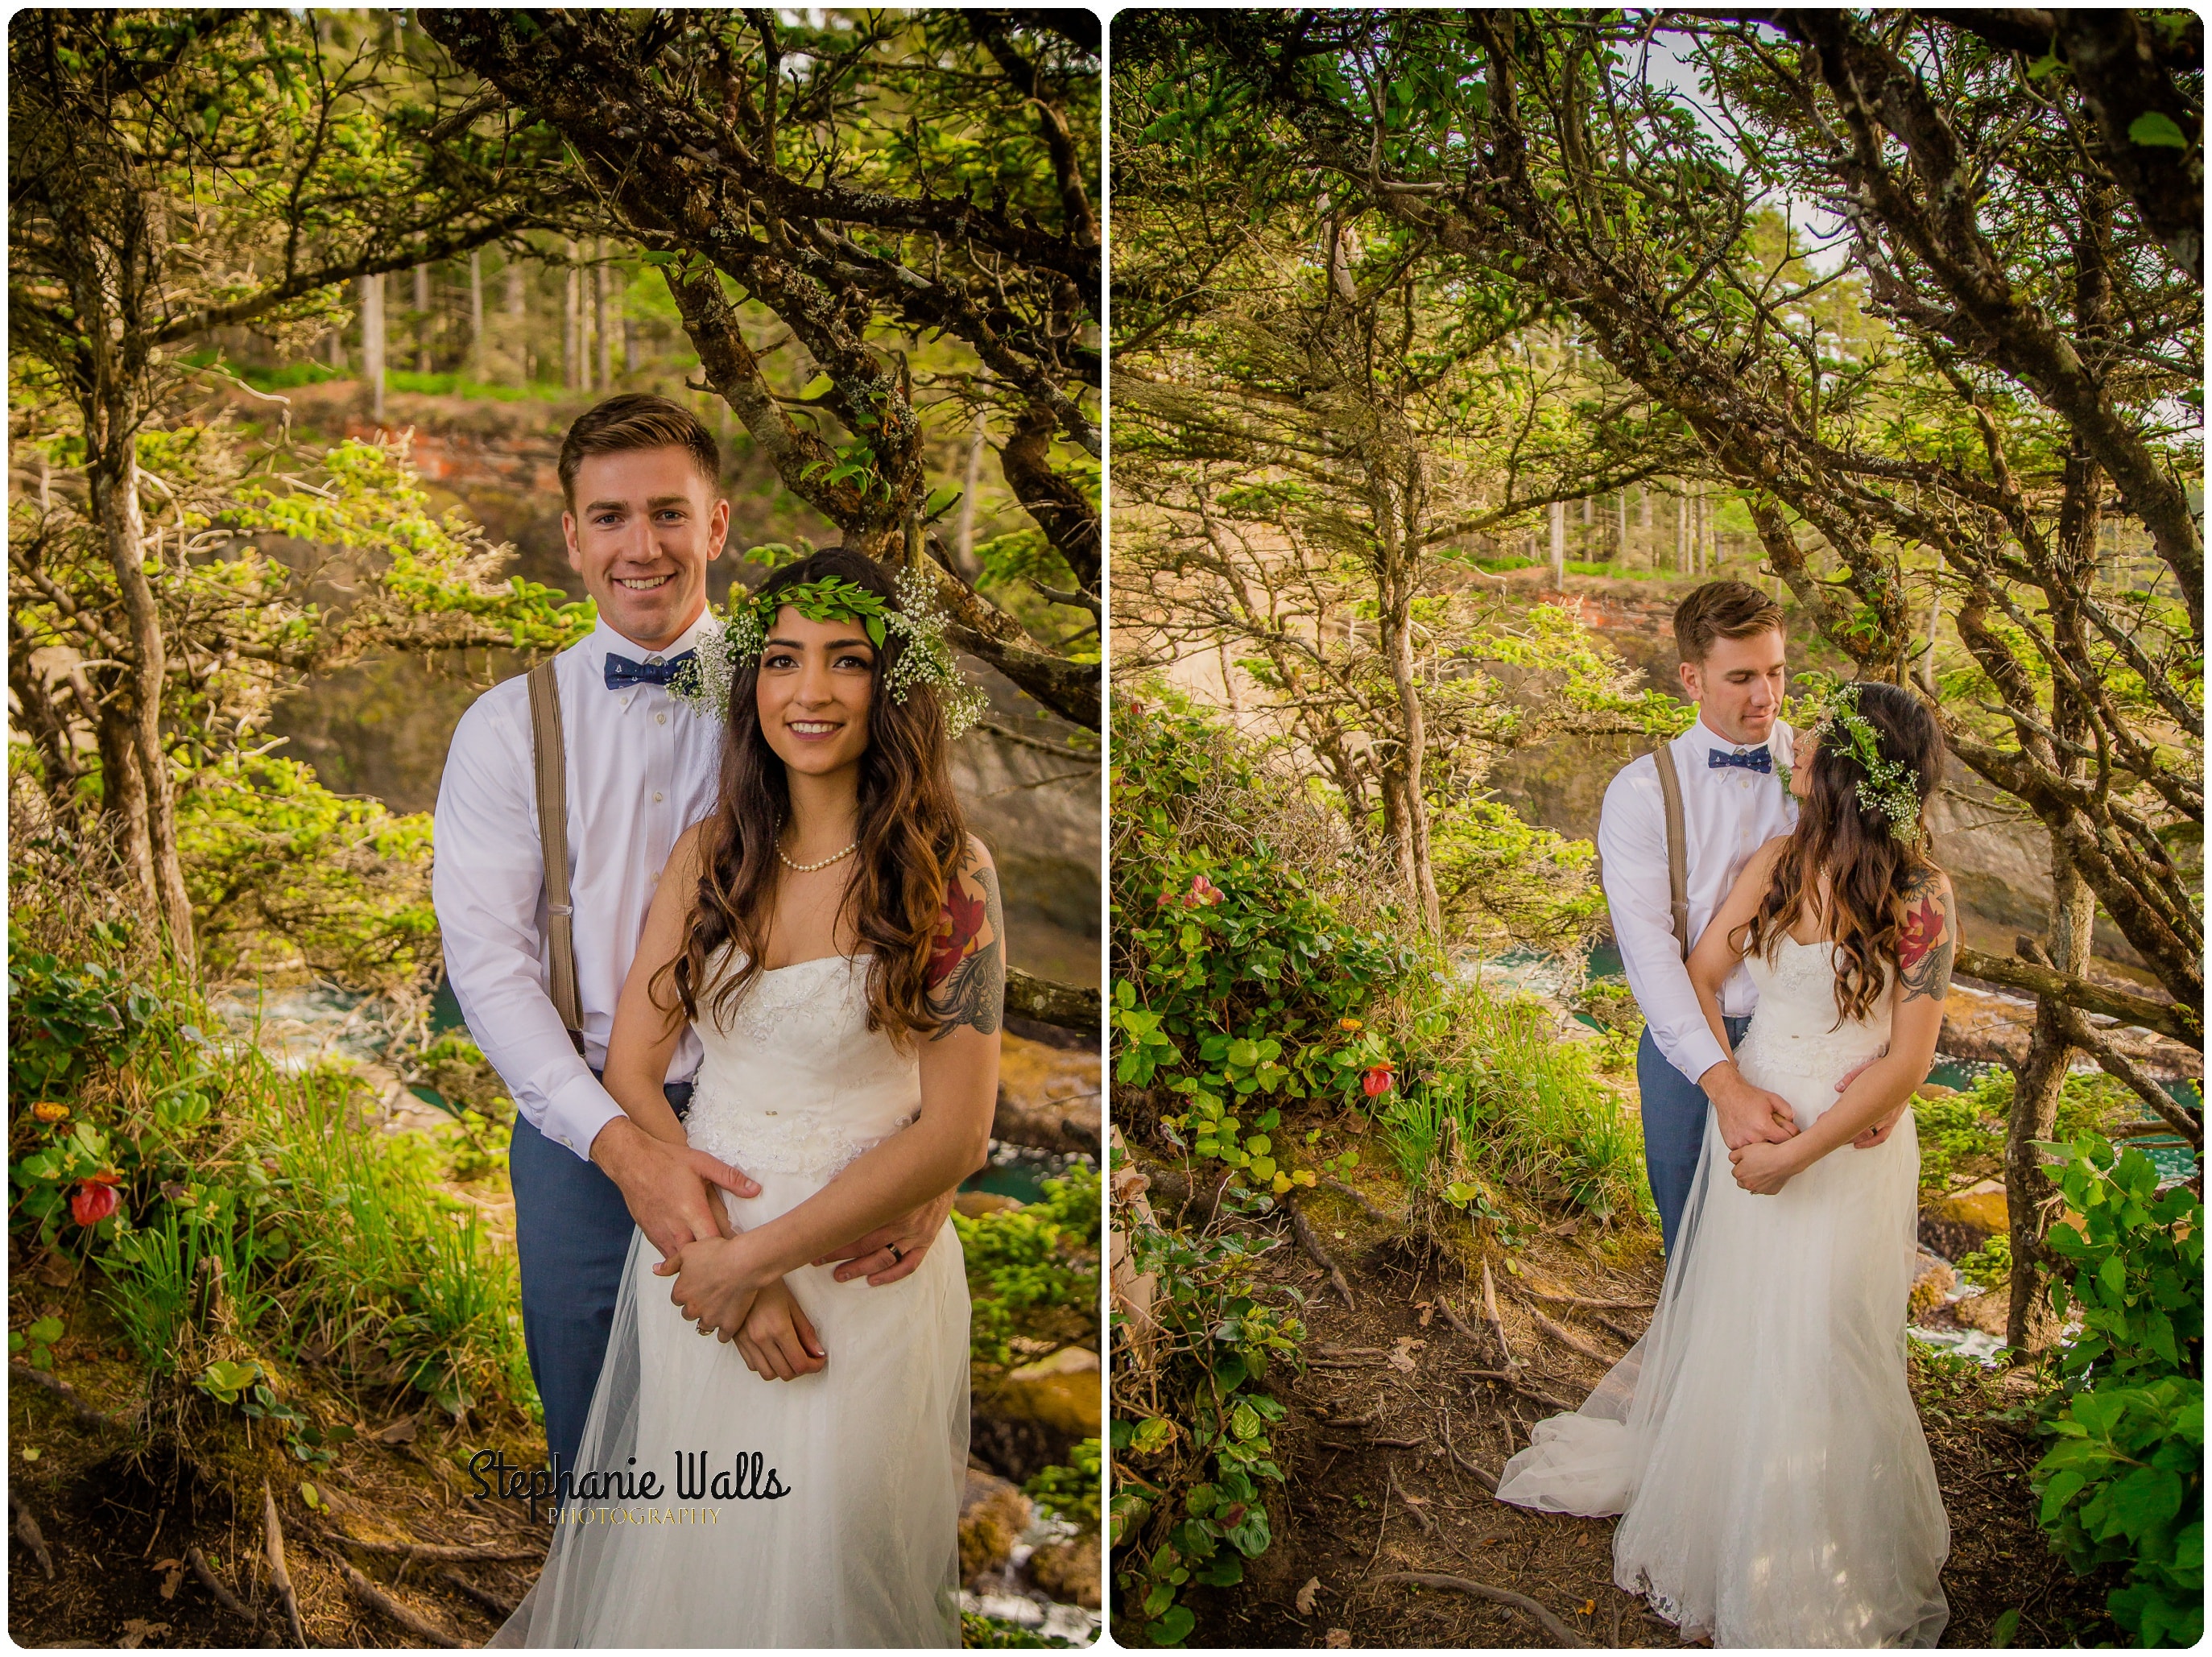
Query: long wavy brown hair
{"x": 1848, "y": 840}
{"x": 912, "y": 837}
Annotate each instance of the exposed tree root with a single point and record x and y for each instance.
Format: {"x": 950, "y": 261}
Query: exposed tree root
{"x": 279, "y": 1578}
{"x": 1320, "y": 1256}
{"x": 1520, "y": 1602}
{"x": 1568, "y": 1338}
{"x": 28, "y": 1532}
{"x": 214, "y": 1584}
{"x": 1490, "y": 1316}
{"x": 61, "y": 1389}
{"x": 1332, "y": 1183}
{"x": 1583, "y": 1303}
{"x": 490, "y": 1601}
{"x": 436, "y": 1552}
{"x": 378, "y": 1600}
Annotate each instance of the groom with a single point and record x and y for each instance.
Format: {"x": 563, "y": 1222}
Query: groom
{"x": 1730, "y": 639}
{"x": 641, "y": 478}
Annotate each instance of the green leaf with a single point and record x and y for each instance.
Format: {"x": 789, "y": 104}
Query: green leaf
{"x": 1173, "y": 1628}
{"x": 2006, "y": 1625}
{"x": 1250, "y": 1537}
{"x": 2146, "y": 1499}
{"x": 817, "y": 387}
{"x": 2157, "y": 131}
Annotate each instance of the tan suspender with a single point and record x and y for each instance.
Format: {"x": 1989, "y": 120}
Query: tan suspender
{"x": 1678, "y": 856}
{"x": 553, "y": 842}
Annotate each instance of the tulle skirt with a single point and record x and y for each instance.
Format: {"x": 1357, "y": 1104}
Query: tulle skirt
{"x": 1759, "y": 1442}
{"x": 872, "y": 1450}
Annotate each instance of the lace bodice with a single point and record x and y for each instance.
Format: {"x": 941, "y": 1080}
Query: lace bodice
{"x": 797, "y": 1083}
{"x": 1794, "y": 1046}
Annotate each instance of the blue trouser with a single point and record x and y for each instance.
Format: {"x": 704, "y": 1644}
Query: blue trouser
{"x": 1674, "y": 1110}
{"x": 572, "y": 1233}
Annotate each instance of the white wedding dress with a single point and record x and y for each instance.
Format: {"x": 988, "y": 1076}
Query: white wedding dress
{"x": 1759, "y": 1443}
{"x": 872, "y": 1449}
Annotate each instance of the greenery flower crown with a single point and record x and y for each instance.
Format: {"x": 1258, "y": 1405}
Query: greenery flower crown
{"x": 928, "y": 659}
{"x": 1890, "y": 788}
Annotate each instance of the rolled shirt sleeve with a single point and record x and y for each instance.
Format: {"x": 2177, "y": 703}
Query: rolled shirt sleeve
{"x": 1632, "y": 842}
{"x": 488, "y": 885}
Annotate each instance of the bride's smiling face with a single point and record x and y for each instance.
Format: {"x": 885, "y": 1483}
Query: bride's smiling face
{"x": 817, "y": 681}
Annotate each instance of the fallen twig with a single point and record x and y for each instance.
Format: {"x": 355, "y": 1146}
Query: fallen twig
{"x": 1488, "y": 1480}
{"x": 28, "y": 1532}
{"x": 1568, "y": 1338}
{"x": 377, "y": 1600}
{"x": 1513, "y": 1381}
{"x": 1397, "y": 1443}
{"x": 1520, "y": 1602}
{"x": 490, "y": 1601}
{"x": 1490, "y": 1314}
{"x": 1372, "y": 1416}
{"x": 1413, "y": 1507}
{"x": 83, "y": 1410}
{"x": 1311, "y": 1244}
{"x": 214, "y": 1585}
{"x": 279, "y": 1578}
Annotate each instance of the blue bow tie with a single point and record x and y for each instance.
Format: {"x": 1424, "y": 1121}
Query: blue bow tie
{"x": 1757, "y": 760}
{"x": 622, "y": 672}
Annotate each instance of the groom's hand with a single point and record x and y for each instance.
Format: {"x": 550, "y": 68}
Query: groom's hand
{"x": 669, "y": 1188}
{"x": 1748, "y": 1115}
{"x": 893, "y": 1251}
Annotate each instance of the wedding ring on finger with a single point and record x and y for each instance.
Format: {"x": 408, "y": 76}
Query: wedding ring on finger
{"x": 705, "y": 1329}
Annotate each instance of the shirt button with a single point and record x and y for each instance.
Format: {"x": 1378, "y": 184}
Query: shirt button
{"x": 660, "y": 718}
{"x": 656, "y": 796}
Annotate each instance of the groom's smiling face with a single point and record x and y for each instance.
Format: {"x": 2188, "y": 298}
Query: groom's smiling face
{"x": 641, "y": 527}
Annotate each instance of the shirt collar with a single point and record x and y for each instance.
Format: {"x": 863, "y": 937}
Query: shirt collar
{"x": 604, "y": 640}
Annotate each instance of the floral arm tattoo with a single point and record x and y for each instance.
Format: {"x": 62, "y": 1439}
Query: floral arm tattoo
{"x": 967, "y": 963}
{"x": 1929, "y": 939}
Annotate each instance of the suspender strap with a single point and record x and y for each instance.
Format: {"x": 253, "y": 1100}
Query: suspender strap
{"x": 1678, "y": 856}
{"x": 553, "y": 843}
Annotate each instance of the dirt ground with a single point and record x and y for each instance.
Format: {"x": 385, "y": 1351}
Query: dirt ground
{"x": 118, "y": 1523}
{"x": 1388, "y": 1437}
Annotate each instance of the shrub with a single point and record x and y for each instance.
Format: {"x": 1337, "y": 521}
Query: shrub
{"x": 1190, "y": 1427}
{"x": 1033, "y": 1272}
{"x": 236, "y": 1212}
{"x": 2124, "y": 1483}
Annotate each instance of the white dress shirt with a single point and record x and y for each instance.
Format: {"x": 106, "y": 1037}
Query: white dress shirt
{"x": 1727, "y": 814}
{"x": 641, "y": 768}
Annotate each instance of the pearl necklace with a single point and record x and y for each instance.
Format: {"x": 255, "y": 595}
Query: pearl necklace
{"x": 808, "y": 868}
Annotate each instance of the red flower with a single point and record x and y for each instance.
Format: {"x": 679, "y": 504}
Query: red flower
{"x": 1202, "y": 893}
{"x": 93, "y": 1201}
{"x": 1377, "y": 1079}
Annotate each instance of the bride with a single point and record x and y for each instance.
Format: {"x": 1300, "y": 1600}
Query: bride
{"x": 1759, "y": 1443}
{"x": 833, "y": 935}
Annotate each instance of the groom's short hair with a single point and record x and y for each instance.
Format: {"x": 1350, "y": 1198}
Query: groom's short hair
{"x": 1722, "y": 610}
{"x": 637, "y": 420}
